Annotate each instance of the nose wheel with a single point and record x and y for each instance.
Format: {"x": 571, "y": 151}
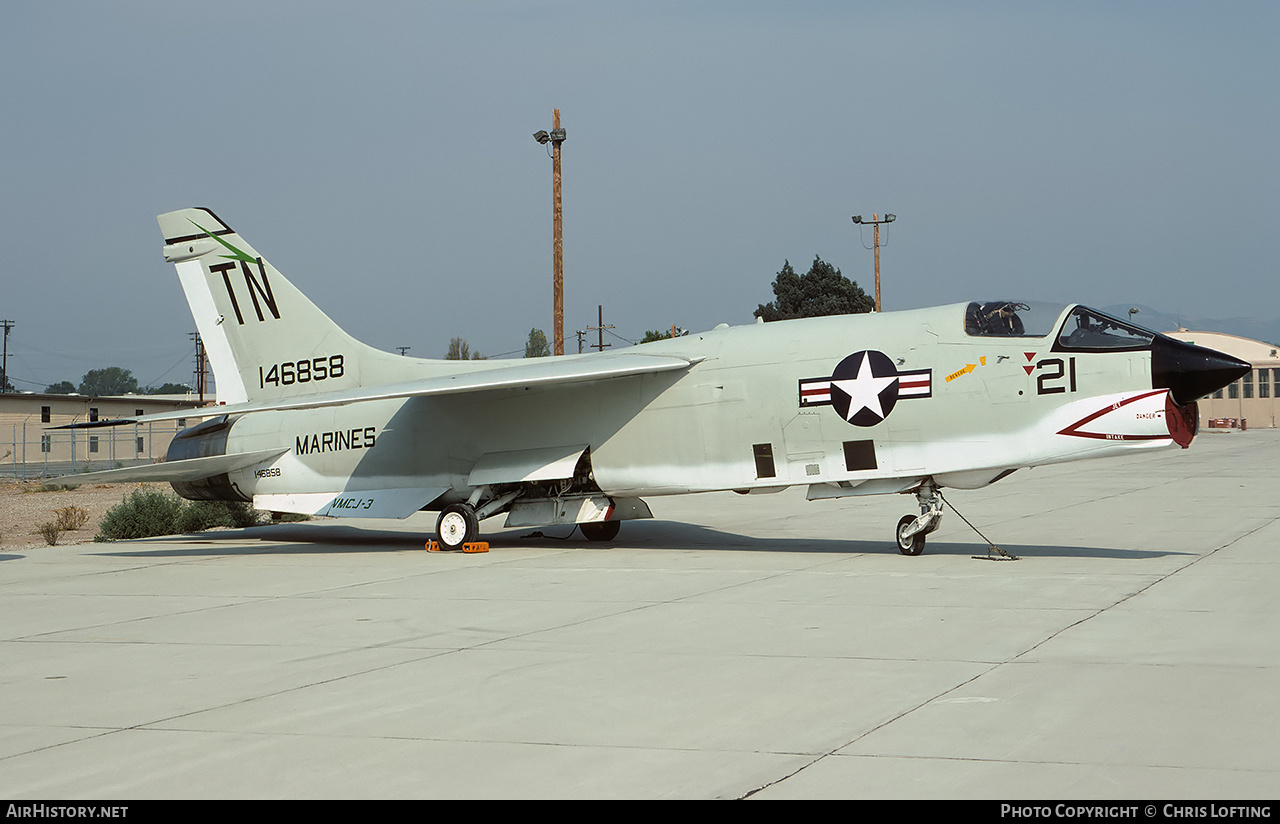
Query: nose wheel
{"x": 909, "y": 543}
{"x": 911, "y": 529}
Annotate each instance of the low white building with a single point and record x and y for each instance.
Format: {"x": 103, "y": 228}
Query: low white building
{"x": 30, "y": 446}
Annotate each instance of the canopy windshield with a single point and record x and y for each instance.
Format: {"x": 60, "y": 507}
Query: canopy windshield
{"x": 1089, "y": 329}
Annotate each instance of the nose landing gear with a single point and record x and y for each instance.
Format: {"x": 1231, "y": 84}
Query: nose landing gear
{"x": 912, "y": 529}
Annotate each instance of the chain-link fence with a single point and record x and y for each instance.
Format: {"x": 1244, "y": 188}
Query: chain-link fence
{"x": 32, "y": 451}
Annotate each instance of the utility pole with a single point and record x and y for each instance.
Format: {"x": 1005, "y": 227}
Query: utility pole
{"x": 4, "y": 365}
{"x": 555, "y": 138}
{"x": 403, "y": 349}
{"x": 875, "y": 219}
{"x": 580, "y": 333}
{"x": 201, "y": 364}
{"x": 600, "y": 330}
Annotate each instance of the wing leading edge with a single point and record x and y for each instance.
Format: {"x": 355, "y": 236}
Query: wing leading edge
{"x": 546, "y": 372}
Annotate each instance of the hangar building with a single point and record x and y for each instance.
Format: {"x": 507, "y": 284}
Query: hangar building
{"x": 1252, "y": 401}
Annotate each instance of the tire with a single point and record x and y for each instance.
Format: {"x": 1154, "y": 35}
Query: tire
{"x": 456, "y": 526}
{"x": 913, "y": 545}
{"x": 600, "y": 530}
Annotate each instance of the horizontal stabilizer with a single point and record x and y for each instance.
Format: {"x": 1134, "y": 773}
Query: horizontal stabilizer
{"x": 191, "y": 469}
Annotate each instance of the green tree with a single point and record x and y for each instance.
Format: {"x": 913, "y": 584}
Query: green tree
{"x": 60, "y": 388}
{"x": 820, "y": 291}
{"x": 109, "y": 381}
{"x": 169, "y": 389}
{"x": 459, "y": 349}
{"x": 655, "y": 334}
{"x": 536, "y": 346}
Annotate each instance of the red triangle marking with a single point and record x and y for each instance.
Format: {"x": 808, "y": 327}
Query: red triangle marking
{"x": 1029, "y": 369}
{"x": 1029, "y": 355}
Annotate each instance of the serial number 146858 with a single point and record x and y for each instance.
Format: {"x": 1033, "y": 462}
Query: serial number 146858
{"x": 303, "y": 371}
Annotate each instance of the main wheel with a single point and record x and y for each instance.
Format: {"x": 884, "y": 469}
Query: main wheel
{"x": 600, "y": 530}
{"x": 913, "y": 545}
{"x": 457, "y": 526}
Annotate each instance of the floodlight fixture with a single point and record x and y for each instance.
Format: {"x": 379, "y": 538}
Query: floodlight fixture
{"x": 875, "y": 222}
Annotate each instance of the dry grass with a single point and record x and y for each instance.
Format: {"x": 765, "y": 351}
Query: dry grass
{"x": 74, "y": 512}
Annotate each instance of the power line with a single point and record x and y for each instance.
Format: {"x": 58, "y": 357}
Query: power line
{"x": 166, "y": 372}
{"x": 620, "y": 337}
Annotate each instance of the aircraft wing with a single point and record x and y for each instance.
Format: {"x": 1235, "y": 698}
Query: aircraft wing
{"x": 191, "y": 469}
{"x": 541, "y": 372}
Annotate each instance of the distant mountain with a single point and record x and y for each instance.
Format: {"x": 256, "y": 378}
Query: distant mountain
{"x": 1267, "y": 330}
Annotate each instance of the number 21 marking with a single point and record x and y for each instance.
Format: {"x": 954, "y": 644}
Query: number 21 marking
{"x": 1055, "y": 370}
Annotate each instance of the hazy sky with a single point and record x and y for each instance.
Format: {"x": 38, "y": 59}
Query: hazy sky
{"x": 380, "y": 154}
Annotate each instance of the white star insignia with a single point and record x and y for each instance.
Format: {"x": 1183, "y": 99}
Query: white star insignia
{"x": 864, "y": 390}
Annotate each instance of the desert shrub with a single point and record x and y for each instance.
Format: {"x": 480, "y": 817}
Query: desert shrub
{"x": 51, "y": 533}
{"x": 71, "y": 518}
{"x": 146, "y": 514}
{"x": 242, "y": 515}
{"x": 143, "y": 514}
{"x": 198, "y": 516}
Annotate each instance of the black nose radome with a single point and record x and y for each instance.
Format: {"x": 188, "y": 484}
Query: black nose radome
{"x": 1191, "y": 372}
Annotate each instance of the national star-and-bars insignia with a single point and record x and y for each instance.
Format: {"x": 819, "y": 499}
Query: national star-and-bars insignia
{"x": 864, "y": 387}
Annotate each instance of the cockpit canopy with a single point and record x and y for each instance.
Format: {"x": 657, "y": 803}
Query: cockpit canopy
{"x": 1084, "y": 329}
{"x": 1011, "y": 319}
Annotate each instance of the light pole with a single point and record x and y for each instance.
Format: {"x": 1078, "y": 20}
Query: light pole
{"x": 555, "y": 138}
{"x": 876, "y": 221}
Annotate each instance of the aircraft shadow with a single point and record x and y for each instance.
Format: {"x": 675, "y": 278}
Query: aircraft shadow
{"x": 676, "y": 535}
{"x": 325, "y": 538}
{"x": 277, "y": 539}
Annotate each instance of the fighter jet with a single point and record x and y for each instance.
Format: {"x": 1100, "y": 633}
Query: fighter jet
{"x": 312, "y": 421}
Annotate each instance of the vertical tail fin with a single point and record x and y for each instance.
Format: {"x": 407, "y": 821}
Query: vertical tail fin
{"x": 264, "y": 338}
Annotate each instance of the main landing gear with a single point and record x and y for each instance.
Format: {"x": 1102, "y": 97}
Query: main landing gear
{"x": 457, "y": 525}
{"x": 912, "y": 529}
